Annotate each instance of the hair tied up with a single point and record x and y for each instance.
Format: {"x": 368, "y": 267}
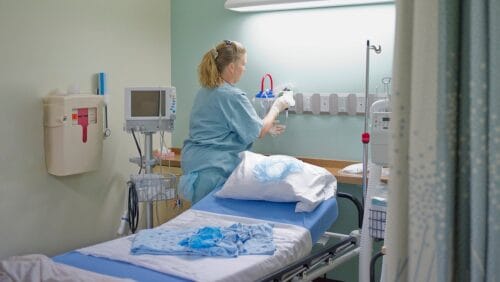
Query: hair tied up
{"x": 215, "y": 60}
{"x": 214, "y": 53}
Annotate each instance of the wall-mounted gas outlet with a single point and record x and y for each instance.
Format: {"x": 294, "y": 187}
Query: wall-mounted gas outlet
{"x": 332, "y": 104}
{"x": 360, "y": 105}
{"x": 316, "y": 104}
{"x": 324, "y": 106}
{"x": 299, "y": 103}
{"x": 351, "y": 104}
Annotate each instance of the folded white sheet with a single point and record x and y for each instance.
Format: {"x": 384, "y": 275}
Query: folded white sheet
{"x": 353, "y": 169}
{"x": 41, "y": 268}
{"x": 292, "y": 242}
{"x": 358, "y": 169}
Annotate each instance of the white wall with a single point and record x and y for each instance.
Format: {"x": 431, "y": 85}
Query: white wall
{"x": 52, "y": 44}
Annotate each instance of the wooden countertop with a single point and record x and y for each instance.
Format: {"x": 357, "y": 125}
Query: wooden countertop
{"x": 333, "y": 166}
{"x": 174, "y": 161}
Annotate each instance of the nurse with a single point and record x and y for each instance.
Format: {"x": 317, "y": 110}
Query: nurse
{"x": 222, "y": 124}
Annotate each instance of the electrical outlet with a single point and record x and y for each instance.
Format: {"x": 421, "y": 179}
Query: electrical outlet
{"x": 351, "y": 104}
{"x": 334, "y": 104}
{"x": 299, "y": 102}
{"x": 316, "y": 104}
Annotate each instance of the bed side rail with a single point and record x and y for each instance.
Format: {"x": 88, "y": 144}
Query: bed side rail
{"x": 357, "y": 203}
{"x": 311, "y": 261}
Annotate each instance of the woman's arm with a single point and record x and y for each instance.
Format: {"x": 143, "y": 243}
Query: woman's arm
{"x": 267, "y": 123}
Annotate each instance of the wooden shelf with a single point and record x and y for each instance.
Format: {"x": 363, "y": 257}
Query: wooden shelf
{"x": 166, "y": 210}
{"x": 334, "y": 166}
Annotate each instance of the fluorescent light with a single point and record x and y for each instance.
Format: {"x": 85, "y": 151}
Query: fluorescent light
{"x": 275, "y": 5}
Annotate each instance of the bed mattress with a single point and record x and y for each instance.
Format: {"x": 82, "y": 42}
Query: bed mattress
{"x": 317, "y": 222}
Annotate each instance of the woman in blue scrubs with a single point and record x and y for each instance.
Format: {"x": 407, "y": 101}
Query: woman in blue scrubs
{"x": 223, "y": 122}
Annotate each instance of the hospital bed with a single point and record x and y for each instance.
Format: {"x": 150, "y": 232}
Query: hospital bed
{"x": 293, "y": 261}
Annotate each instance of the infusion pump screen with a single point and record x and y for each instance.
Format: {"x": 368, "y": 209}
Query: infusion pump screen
{"x": 147, "y": 103}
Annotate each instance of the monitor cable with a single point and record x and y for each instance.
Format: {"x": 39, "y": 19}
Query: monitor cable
{"x": 133, "y": 207}
{"x": 139, "y": 150}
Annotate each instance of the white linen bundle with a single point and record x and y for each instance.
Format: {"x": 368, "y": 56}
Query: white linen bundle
{"x": 279, "y": 178}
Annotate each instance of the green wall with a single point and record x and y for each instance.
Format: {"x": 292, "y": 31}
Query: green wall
{"x": 315, "y": 50}
{"x": 53, "y": 44}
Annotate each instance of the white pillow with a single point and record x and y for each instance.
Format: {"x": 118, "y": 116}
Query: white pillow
{"x": 279, "y": 178}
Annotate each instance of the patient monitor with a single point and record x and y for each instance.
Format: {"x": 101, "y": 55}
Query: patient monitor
{"x": 379, "y": 143}
{"x": 149, "y": 109}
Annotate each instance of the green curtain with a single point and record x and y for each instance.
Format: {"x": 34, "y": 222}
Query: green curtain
{"x": 444, "y": 191}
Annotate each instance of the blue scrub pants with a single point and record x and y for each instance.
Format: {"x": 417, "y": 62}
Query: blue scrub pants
{"x": 196, "y": 185}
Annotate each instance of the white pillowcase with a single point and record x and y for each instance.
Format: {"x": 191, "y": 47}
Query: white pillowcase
{"x": 279, "y": 178}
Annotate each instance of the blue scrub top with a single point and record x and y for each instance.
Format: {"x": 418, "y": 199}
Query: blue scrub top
{"x": 223, "y": 123}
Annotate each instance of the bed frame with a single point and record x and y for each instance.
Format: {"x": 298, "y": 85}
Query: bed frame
{"x": 316, "y": 265}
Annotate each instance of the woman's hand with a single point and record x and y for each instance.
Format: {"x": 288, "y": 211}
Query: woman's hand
{"x": 280, "y": 104}
{"x": 277, "y": 128}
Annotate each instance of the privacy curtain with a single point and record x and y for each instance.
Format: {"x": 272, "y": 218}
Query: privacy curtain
{"x": 444, "y": 192}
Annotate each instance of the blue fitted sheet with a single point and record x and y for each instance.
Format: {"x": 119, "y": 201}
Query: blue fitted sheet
{"x": 317, "y": 222}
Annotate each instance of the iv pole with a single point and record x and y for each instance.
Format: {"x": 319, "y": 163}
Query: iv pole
{"x": 366, "y": 241}
{"x": 365, "y": 137}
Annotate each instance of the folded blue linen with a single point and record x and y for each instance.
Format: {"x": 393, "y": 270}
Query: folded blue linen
{"x": 237, "y": 239}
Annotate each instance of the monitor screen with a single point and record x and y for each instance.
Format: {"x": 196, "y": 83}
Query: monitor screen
{"x": 146, "y": 103}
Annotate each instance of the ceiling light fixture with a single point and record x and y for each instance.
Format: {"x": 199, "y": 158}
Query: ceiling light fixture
{"x": 276, "y": 5}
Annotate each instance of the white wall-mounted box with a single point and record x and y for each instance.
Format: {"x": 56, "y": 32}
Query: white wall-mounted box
{"x": 73, "y": 133}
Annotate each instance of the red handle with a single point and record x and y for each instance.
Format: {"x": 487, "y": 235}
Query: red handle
{"x": 83, "y": 120}
{"x": 263, "y": 79}
{"x": 365, "y": 138}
